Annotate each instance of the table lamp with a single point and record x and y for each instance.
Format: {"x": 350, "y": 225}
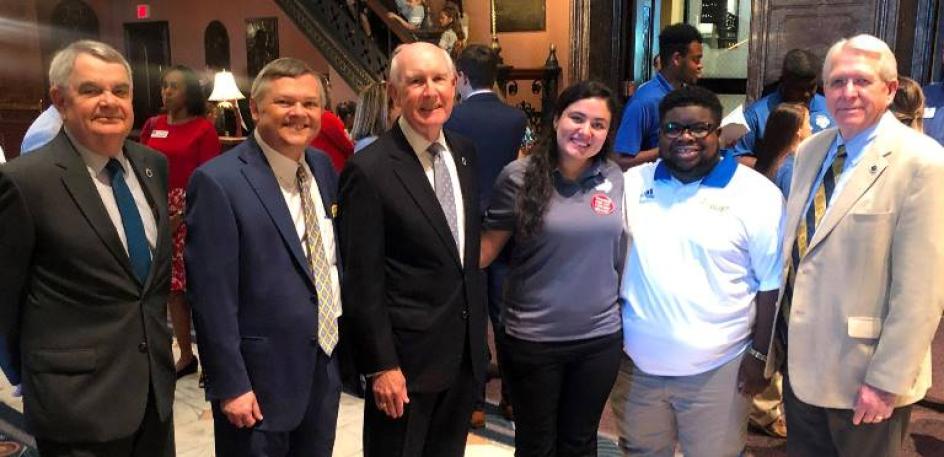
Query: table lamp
{"x": 226, "y": 94}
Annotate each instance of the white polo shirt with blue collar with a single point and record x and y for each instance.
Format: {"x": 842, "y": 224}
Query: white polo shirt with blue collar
{"x": 700, "y": 253}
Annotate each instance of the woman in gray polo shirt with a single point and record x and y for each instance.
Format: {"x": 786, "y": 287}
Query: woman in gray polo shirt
{"x": 562, "y": 207}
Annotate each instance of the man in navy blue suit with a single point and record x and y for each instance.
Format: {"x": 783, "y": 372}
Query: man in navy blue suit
{"x": 262, "y": 267}
{"x": 496, "y": 129}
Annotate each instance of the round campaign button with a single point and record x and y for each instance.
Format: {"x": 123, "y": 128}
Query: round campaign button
{"x": 602, "y": 204}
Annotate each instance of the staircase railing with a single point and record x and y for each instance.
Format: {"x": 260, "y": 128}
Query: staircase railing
{"x": 330, "y": 26}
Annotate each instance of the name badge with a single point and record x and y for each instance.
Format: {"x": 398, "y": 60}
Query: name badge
{"x": 929, "y": 111}
{"x": 159, "y": 133}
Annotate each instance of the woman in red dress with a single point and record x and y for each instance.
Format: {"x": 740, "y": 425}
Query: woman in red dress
{"x": 188, "y": 140}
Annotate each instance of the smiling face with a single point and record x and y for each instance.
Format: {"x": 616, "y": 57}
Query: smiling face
{"x": 425, "y": 89}
{"x": 582, "y": 129}
{"x": 288, "y": 115}
{"x": 96, "y": 104}
{"x": 856, "y": 96}
{"x": 689, "y": 158}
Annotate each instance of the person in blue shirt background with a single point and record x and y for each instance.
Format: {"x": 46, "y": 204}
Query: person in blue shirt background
{"x": 934, "y": 111}
{"x": 680, "y": 53}
{"x": 798, "y": 79}
{"x": 42, "y": 130}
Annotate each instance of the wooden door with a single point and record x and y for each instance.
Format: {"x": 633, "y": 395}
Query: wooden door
{"x": 147, "y": 46}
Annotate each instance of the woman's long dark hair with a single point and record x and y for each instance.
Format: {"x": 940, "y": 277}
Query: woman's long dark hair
{"x": 194, "y": 100}
{"x": 535, "y": 194}
{"x": 779, "y": 135}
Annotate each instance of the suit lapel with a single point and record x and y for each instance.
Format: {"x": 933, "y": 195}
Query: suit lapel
{"x": 78, "y": 183}
{"x": 869, "y": 168}
{"x": 409, "y": 170}
{"x": 809, "y": 160}
{"x": 143, "y": 169}
{"x": 262, "y": 180}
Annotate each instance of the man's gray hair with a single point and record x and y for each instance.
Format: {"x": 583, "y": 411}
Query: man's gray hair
{"x": 64, "y": 61}
{"x": 396, "y": 71}
{"x": 886, "y": 66}
{"x": 285, "y": 67}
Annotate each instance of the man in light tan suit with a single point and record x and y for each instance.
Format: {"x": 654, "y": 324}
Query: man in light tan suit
{"x": 864, "y": 245}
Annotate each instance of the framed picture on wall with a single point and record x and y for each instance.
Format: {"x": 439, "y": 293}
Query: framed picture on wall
{"x": 519, "y": 15}
{"x": 262, "y": 43}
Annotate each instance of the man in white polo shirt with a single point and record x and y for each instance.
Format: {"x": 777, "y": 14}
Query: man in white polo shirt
{"x": 699, "y": 288}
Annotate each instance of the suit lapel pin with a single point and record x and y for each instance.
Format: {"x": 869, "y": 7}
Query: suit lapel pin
{"x": 462, "y": 159}
{"x": 334, "y": 210}
{"x": 148, "y": 173}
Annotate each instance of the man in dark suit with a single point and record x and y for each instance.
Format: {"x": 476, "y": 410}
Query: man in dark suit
{"x": 496, "y": 129}
{"x": 85, "y": 271}
{"x": 413, "y": 300}
{"x": 262, "y": 265}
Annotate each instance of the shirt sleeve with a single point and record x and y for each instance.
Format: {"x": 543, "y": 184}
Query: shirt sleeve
{"x": 632, "y": 129}
{"x": 765, "y": 228}
{"x": 501, "y": 214}
{"x": 745, "y": 145}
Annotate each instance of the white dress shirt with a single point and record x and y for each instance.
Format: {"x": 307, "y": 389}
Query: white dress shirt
{"x": 420, "y": 146}
{"x": 95, "y": 163}
{"x": 284, "y": 169}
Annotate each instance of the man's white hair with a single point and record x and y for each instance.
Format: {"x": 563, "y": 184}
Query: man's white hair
{"x": 886, "y": 66}
{"x": 64, "y": 61}
{"x": 396, "y": 69}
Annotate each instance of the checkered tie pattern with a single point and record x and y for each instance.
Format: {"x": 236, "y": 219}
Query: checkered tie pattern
{"x": 320, "y": 269}
{"x": 805, "y": 230}
{"x": 443, "y": 187}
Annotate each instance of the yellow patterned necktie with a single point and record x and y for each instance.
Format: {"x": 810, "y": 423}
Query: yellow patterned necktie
{"x": 807, "y": 227}
{"x": 320, "y": 269}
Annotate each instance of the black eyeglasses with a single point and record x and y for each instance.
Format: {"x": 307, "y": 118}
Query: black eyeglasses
{"x": 697, "y": 130}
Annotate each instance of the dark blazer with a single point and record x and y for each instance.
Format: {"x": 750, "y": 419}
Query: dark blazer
{"x": 255, "y": 305}
{"x": 408, "y": 301}
{"x": 87, "y": 339}
{"x": 496, "y": 129}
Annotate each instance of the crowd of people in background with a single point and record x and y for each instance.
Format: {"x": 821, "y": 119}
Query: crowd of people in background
{"x": 652, "y": 257}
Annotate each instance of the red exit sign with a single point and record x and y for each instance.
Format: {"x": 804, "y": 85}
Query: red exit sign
{"x": 143, "y": 11}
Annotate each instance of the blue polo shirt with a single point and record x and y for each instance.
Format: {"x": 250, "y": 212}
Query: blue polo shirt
{"x": 756, "y": 116}
{"x": 934, "y": 111}
{"x": 639, "y": 129}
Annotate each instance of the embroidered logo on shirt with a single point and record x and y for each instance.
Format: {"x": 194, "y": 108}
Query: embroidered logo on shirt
{"x": 715, "y": 206}
{"x": 605, "y": 186}
{"x": 649, "y": 194}
{"x": 602, "y": 204}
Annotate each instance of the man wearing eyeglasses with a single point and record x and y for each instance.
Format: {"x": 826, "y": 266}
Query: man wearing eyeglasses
{"x": 862, "y": 298}
{"x": 699, "y": 288}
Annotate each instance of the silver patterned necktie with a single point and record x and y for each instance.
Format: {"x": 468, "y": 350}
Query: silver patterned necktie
{"x": 443, "y": 188}
{"x": 320, "y": 269}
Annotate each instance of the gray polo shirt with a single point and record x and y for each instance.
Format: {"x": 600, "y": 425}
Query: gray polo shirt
{"x": 563, "y": 282}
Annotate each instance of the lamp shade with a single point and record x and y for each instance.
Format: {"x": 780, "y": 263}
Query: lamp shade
{"x": 224, "y": 88}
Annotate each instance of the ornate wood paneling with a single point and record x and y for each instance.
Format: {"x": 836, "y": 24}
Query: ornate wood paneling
{"x": 780, "y": 25}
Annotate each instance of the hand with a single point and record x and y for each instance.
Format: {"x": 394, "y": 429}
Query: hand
{"x": 751, "y": 380}
{"x": 390, "y": 392}
{"x": 242, "y": 411}
{"x": 872, "y": 405}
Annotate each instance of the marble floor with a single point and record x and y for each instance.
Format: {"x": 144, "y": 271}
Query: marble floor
{"x": 193, "y": 424}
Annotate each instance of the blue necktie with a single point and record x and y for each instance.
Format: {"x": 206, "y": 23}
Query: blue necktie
{"x": 138, "y": 251}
